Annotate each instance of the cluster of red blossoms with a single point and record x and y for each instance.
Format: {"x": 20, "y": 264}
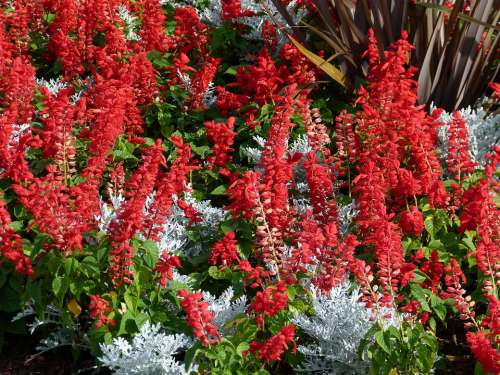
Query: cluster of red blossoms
{"x": 99, "y": 309}
{"x": 199, "y": 317}
{"x": 274, "y": 347}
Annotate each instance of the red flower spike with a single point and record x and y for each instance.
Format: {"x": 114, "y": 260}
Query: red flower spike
{"x": 199, "y": 317}
{"x": 165, "y": 267}
{"x": 224, "y": 252}
{"x": 273, "y": 349}
{"x": 200, "y": 83}
{"x": 130, "y": 217}
{"x": 231, "y": 9}
{"x": 459, "y": 161}
{"x": 221, "y": 135}
{"x": 483, "y": 350}
{"x": 11, "y": 244}
{"x": 412, "y": 222}
{"x": 99, "y": 308}
{"x": 271, "y": 301}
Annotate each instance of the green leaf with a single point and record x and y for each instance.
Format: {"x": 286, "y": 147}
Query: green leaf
{"x": 215, "y": 273}
{"x": 16, "y": 225}
{"x": 59, "y": 286}
{"x": 152, "y": 253}
{"x": 219, "y": 190}
{"x": 232, "y": 70}
{"x": 89, "y": 266}
{"x": 469, "y": 243}
{"x": 436, "y": 244}
{"x": 131, "y": 302}
{"x": 429, "y": 225}
{"x": 200, "y": 150}
{"x": 380, "y": 338}
{"x": 69, "y": 265}
{"x": 242, "y": 347}
{"x": 420, "y": 295}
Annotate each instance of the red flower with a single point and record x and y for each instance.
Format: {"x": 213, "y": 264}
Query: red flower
{"x": 459, "y": 161}
{"x": 165, "y": 267}
{"x": 229, "y": 102}
{"x": 11, "y": 244}
{"x": 345, "y": 139}
{"x": 130, "y": 218}
{"x": 434, "y": 268}
{"x": 99, "y": 308}
{"x": 320, "y": 181}
{"x": 272, "y": 300}
{"x": 222, "y": 137}
{"x": 412, "y": 222}
{"x": 199, "y": 317}
{"x": 453, "y": 280}
{"x": 189, "y": 212}
{"x": 496, "y": 89}
{"x": 200, "y": 82}
{"x": 243, "y": 195}
{"x": 224, "y": 251}
{"x": 485, "y": 353}
{"x": 272, "y": 349}
{"x": 190, "y": 32}
{"x": 170, "y": 183}
{"x": 253, "y": 273}
{"x": 152, "y": 34}
{"x": 232, "y": 9}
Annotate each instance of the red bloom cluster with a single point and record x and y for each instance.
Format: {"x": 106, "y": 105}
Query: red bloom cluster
{"x": 190, "y": 32}
{"x": 200, "y": 83}
{"x": 11, "y": 244}
{"x": 271, "y": 301}
{"x": 345, "y": 140}
{"x": 189, "y": 212}
{"x": 168, "y": 184}
{"x": 272, "y": 349}
{"x": 222, "y": 136}
{"x": 320, "y": 181}
{"x": 152, "y": 27}
{"x": 224, "y": 251}
{"x": 488, "y": 247}
{"x": 232, "y": 9}
{"x": 459, "y": 161}
{"x": 199, "y": 317}
{"x": 484, "y": 352}
{"x": 165, "y": 267}
{"x": 253, "y": 274}
{"x": 243, "y": 194}
{"x": 412, "y": 222}
{"x": 453, "y": 280}
{"x": 130, "y": 218}
{"x": 99, "y": 308}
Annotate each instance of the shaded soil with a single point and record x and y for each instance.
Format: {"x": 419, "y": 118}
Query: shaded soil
{"x": 16, "y": 359}
{"x": 457, "y": 357}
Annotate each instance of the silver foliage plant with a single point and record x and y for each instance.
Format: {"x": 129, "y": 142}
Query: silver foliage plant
{"x": 150, "y": 352}
{"x": 174, "y": 234}
{"x": 131, "y": 23}
{"x": 484, "y": 133}
{"x": 337, "y": 328}
{"x": 346, "y": 214}
{"x": 339, "y": 324}
{"x": 224, "y": 308}
{"x": 60, "y": 334}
